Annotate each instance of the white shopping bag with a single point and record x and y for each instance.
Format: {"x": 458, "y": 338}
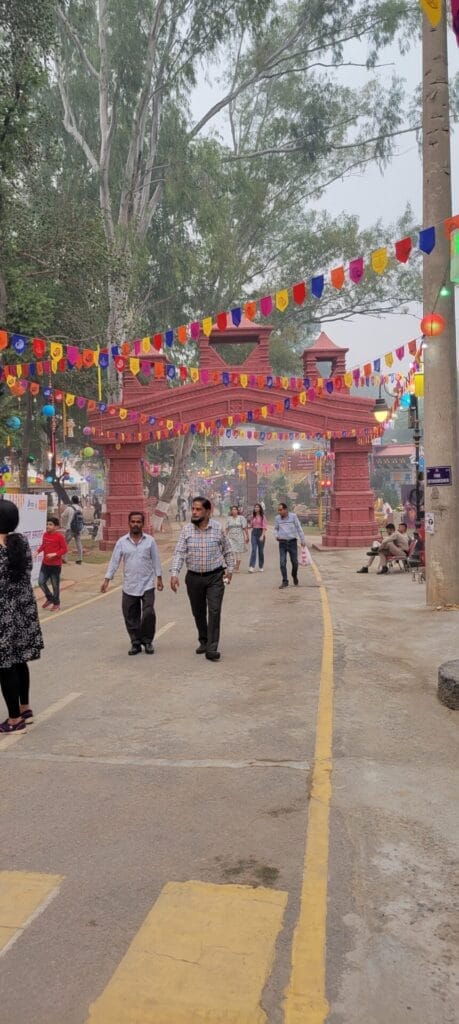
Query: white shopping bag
{"x": 305, "y": 556}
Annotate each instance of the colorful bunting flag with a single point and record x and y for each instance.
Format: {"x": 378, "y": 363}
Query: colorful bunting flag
{"x": 379, "y": 260}
{"x": 426, "y": 241}
{"x": 403, "y": 249}
{"x": 432, "y": 10}
{"x": 356, "y": 269}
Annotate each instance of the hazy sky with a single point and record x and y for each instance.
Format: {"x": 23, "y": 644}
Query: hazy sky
{"x": 372, "y": 195}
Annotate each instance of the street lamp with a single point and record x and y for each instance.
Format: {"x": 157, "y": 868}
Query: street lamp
{"x": 381, "y": 409}
{"x": 413, "y": 423}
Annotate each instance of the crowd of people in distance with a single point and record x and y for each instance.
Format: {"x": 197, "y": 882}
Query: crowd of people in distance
{"x": 210, "y": 549}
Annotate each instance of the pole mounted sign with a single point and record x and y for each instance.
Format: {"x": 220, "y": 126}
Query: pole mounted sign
{"x": 439, "y": 476}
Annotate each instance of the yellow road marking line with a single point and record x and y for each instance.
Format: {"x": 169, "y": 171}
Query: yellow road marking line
{"x": 23, "y": 896}
{"x": 305, "y": 1001}
{"x": 43, "y": 716}
{"x": 202, "y": 956}
{"x": 90, "y": 600}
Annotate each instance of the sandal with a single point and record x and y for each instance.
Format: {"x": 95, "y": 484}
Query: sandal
{"x": 7, "y": 726}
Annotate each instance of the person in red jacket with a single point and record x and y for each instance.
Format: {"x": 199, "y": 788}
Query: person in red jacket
{"x": 54, "y": 547}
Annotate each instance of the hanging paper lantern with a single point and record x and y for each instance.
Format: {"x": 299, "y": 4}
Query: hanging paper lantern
{"x": 88, "y": 452}
{"x": 49, "y": 479}
{"x": 4, "y": 469}
{"x": 87, "y": 431}
{"x": 48, "y": 410}
{"x": 13, "y": 422}
{"x": 433, "y": 324}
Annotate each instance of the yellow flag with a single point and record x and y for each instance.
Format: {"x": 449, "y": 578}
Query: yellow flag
{"x": 194, "y": 374}
{"x": 134, "y": 365}
{"x": 146, "y": 345}
{"x": 244, "y": 380}
{"x": 348, "y": 380}
{"x": 302, "y": 397}
{"x": 264, "y": 411}
{"x": 389, "y": 359}
{"x": 170, "y": 424}
{"x": 54, "y": 365}
{"x": 18, "y": 370}
{"x": 379, "y": 260}
{"x": 230, "y": 421}
{"x": 123, "y": 413}
{"x": 69, "y": 399}
{"x": 432, "y": 11}
{"x": 284, "y": 382}
{"x": 282, "y": 300}
{"x": 207, "y": 325}
{"x": 419, "y": 385}
{"x": 56, "y": 351}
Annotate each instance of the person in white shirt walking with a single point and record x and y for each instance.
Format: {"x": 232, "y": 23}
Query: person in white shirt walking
{"x": 142, "y": 574}
{"x": 287, "y": 531}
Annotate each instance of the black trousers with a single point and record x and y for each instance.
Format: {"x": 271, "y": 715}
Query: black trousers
{"x": 206, "y": 595}
{"x": 15, "y": 683}
{"x": 288, "y": 547}
{"x": 139, "y": 616}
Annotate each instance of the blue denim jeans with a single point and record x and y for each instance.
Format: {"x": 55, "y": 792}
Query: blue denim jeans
{"x": 258, "y": 544}
{"x": 50, "y": 574}
{"x": 288, "y": 547}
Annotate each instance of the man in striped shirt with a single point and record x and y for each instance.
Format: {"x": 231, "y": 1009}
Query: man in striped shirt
{"x": 209, "y": 558}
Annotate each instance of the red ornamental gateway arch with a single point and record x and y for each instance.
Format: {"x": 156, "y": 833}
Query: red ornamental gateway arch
{"x": 336, "y": 415}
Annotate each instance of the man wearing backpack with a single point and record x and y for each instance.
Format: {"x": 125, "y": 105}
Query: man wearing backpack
{"x": 74, "y": 523}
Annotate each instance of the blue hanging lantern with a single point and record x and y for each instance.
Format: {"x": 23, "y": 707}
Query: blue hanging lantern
{"x": 48, "y": 392}
{"x": 13, "y": 422}
{"x": 405, "y": 400}
{"x": 48, "y": 411}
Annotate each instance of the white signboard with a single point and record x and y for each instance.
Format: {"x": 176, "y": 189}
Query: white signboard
{"x": 32, "y": 523}
{"x": 430, "y": 522}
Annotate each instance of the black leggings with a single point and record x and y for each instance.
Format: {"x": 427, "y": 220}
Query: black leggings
{"x": 15, "y": 683}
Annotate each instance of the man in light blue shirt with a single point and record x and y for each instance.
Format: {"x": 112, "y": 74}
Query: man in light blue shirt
{"x": 142, "y": 573}
{"x": 287, "y": 530}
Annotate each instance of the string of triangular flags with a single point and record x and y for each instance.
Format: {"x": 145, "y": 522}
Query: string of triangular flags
{"x": 167, "y": 427}
{"x": 359, "y": 376}
{"x": 280, "y": 300}
{"x": 433, "y": 10}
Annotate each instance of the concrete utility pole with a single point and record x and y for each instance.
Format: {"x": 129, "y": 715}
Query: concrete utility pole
{"x": 441, "y": 433}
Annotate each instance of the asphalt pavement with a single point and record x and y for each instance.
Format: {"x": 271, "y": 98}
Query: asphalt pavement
{"x": 166, "y": 831}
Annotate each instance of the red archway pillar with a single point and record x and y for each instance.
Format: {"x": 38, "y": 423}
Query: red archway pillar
{"x": 124, "y": 491}
{"x": 352, "y": 520}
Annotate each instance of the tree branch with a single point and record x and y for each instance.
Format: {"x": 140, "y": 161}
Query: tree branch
{"x": 140, "y": 114}
{"x": 74, "y": 37}
{"x": 70, "y": 124}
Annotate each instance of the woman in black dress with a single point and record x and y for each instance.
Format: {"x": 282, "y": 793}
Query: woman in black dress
{"x": 20, "y": 634}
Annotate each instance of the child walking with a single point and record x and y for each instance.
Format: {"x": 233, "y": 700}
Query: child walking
{"x": 54, "y": 547}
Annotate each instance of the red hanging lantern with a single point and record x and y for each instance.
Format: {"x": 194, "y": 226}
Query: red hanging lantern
{"x": 433, "y": 324}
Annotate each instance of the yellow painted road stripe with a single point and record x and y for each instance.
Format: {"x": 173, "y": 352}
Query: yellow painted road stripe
{"x": 202, "y": 956}
{"x": 9, "y": 741}
{"x": 23, "y": 896}
{"x": 305, "y": 1000}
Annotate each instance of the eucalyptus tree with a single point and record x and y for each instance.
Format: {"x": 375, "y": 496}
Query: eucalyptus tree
{"x": 125, "y": 69}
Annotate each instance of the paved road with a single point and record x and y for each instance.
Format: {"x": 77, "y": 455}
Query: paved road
{"x": 167, "y": 854}
{"x": 155, "y": 770}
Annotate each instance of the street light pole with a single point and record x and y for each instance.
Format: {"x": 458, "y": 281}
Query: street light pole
{"x": 416, "y": 427}
{"x": 441, "y": 433}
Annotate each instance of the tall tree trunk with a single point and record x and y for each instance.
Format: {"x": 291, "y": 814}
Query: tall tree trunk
{"x": 184, "y": 446}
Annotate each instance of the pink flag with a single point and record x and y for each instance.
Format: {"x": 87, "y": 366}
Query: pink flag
{"x": 356, "y": 270}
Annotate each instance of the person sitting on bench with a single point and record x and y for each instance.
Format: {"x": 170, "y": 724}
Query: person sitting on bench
{"x": 397, "y": 543}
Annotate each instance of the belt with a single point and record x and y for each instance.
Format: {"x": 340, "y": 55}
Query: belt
{"x": 209, "y": 573}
